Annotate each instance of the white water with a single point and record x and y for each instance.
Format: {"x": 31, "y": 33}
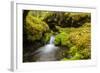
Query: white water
{"x": 47, "y": 52}
{"x": 52, "y": 40}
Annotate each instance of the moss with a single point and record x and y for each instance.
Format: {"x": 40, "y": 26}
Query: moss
{"x": 73, "y": 50}
{"x": 77, "y": 19}
{"x": 64, "y": 59}
{"x": 62, "y": 39}
{"x": 57, "y": 40}
{"x": 42, "y": 15}
{"x": 35, "y": 27}
{"x": 87, "y": 25}
{"x": 46, "y": 37}
{"x": 81, "y": 39}
{"x": 77, "y": 56}
{"x": 86, "y": 53}
{"x": 77, "y": 40}
{"x": 72, "y": 31}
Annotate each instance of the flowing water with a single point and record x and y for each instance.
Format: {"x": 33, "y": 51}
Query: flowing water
{"x": 52, "y": 40}
{"x": 47, "y": 52}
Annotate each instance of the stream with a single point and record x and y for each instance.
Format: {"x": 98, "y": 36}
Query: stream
{"x": 47, "y": 52}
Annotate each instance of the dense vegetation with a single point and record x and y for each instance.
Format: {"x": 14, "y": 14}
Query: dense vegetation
{"x": 72, "y": 31}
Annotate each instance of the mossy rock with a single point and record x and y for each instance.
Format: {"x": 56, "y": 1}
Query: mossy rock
{"x": 77, "y": 56}
{"x": 78, "y": 41}
{"x": 62, "y": 39}
{"x": 35, "y": 27}
{"x": 77, "y": 19}
{"x": 46, "y": 37}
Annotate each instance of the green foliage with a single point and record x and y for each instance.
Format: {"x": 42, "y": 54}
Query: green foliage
{"x": 62, "y": 39}
{"x": 72, "y": 32}
{"x": 78, "y": 41}
{"x": 86, "y": 25}
{"x": 77, "y": 19}
{"x": 57, "y": 40}
{"x": 64, "y": 59}
{"x": 78, "y": 16}
{"x": 86, "y": 53}
{"x": 80, "y": 38}
{"x": 35, "y": 27}
{"x": 77, "y": 56}
{"x": 46, "y": 37}
{"x": 73, "y": 50}
{"x": 40, "y": 14}
{"x": 66, "y": 30}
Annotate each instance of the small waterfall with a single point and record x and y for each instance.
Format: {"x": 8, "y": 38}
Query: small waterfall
{"x": 47, "y": 52}
{"x": 52, "y": 40}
